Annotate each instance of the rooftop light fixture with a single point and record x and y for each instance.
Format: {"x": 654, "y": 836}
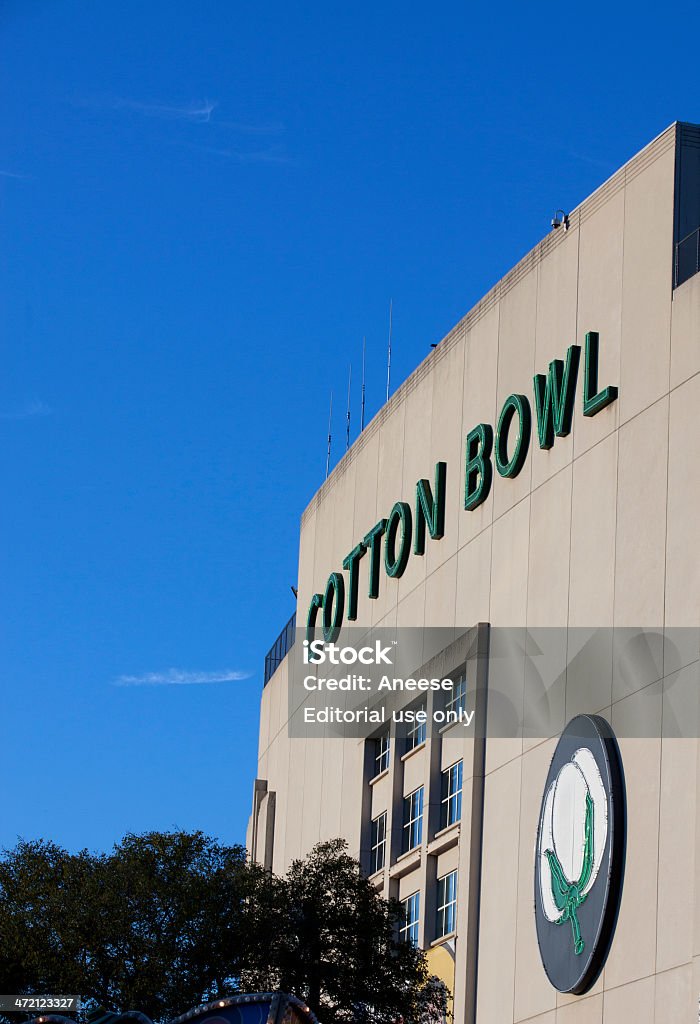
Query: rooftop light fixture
{"x": 560, "y": 221}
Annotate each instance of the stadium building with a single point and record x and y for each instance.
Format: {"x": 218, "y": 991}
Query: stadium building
{"x": 538, "y": 471}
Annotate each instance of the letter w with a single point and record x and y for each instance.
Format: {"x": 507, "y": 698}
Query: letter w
{"x": 554, "y": 397}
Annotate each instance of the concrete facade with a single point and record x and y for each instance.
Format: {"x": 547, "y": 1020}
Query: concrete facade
{"x": 600, "y": 530}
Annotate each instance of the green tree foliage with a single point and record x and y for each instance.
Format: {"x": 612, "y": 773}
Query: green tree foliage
{"x": 334, "y": 943}
{"x": 168, "y": 920}
{"x": 158, "y": 924}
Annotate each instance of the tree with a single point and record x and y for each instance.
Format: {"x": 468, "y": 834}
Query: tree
{"x": 156, "y": 925}
{"x": 169, "y": 920}
{"x": 335, "y": 943}
{"x": 46, "y": 899}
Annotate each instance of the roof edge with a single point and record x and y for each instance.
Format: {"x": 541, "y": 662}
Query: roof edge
{"x": 648, "y": 154}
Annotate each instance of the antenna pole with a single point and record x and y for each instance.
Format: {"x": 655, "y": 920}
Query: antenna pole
{"x": 347, "y": 430}
{"x": 388, "y": 362}
{"x": 362, "y": 412}
{"x": 328, "y": 454}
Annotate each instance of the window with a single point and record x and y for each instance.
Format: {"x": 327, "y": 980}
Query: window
{"x": 412, "y": 819}
{"x": 378, "y": 844}
{"x": 446, "y": 904}
{"x": 416, "y": 733}
{"x": 411, "y": 917}
{"x": 451, "y": 806}
{"x": 381, "y": 753}
{"x": 456, "y": 700}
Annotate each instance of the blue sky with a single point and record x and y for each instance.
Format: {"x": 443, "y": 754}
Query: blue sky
{"x": 204, "y": 207}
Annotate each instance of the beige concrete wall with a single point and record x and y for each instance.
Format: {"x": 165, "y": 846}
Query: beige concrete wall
{"x": 601, "y": 530}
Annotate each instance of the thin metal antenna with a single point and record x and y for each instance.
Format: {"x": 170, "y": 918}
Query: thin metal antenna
{"x": 328, "y": 454}
{"x": 347, "y": 429}
{"x": 362, "y": 412}
{"x": 388, "y": 362}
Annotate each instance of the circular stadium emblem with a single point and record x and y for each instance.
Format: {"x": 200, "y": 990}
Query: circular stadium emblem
{"x": 580, "y": 854}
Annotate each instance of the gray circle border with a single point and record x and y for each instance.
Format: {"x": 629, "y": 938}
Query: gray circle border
{"x": 607, "y": 889}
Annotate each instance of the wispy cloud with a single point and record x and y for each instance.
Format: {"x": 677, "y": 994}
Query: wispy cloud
{"x": 35, "y": 407}
{"x": 269, "y": 155}
{"x": 244, "y": 142}
{"x": 606, "y": 165}
{"x": 197, "y": 112}
{"x": 548, "y": 141}
{"x": 249, "y": 128}
{"x": 13, "y": 174}
{"x": 180, "y": 677}
{"x": 194, "y": 112}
